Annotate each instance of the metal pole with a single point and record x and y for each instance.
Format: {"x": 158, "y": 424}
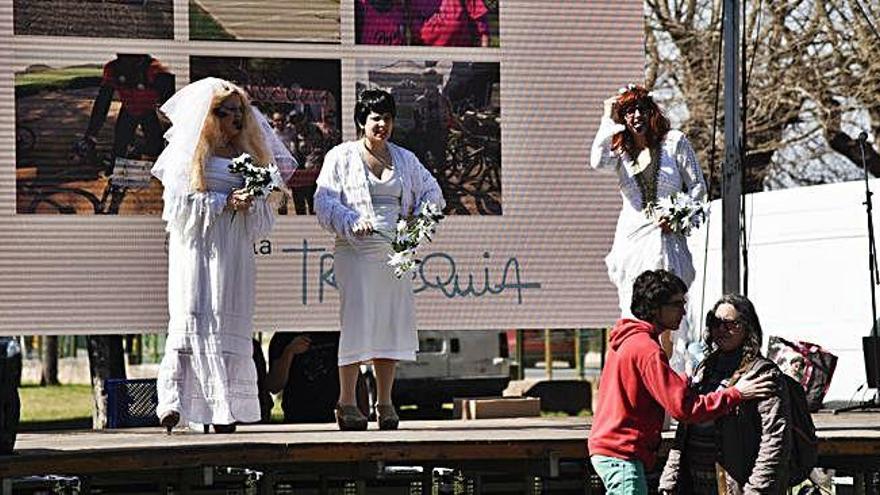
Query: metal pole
{"x": 519, "y": 355}
{"x": 548, "y": 355}
{"x": 731, "y": 178}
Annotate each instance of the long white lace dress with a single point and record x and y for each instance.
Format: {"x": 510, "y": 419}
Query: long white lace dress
{"x": 207, "y": 374}
{"x": 636, "y": 249}
{"x": 377, "y": 309}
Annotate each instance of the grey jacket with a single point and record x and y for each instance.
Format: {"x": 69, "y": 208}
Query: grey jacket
{"x": 754, "y": 444}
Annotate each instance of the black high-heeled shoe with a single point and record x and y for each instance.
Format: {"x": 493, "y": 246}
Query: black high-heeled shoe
{"x": 224, "y": 428}
{"x": 350, "y": 418}
{"x": 387, "y": 417}
{"x": 169, "y": 421}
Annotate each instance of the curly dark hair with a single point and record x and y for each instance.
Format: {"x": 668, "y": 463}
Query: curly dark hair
{"x": 652, "y": 289}
{"x": 751, "y": 325}
{"x": 373, "y": 100}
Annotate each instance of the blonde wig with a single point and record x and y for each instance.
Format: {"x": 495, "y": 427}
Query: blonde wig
{"x": 250, "y": 140}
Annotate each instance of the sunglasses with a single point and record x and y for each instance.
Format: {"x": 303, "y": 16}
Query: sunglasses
{"x": 714, "y": 323}
{"x": 641, "y": 107}
{"x": 225, "y": 111}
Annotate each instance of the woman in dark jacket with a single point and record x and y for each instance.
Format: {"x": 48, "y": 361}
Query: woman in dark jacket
{"x": 747, "y": 451}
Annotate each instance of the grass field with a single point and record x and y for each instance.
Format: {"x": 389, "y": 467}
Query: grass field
{"x": 58, "y": 403}
{"x": 66, "y": 403}
{"x": 72, "y": 402}
{"x": 39, "y": 80}
{"x": 203, "y": 27}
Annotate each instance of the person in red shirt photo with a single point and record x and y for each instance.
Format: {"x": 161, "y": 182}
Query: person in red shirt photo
{"x": 380, "y": 22}
{"x": 142, "y": 84}
{"x": 637, "y": 387}
{"x": 449, "y": 23}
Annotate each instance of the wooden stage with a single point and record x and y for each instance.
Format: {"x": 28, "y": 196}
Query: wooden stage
{"x": 535, "y": 448}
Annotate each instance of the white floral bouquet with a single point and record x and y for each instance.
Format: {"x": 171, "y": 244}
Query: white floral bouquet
{"x": 258, "y": 180}
{"x": 682, "y": 213}
{"x": 409, "y": 236}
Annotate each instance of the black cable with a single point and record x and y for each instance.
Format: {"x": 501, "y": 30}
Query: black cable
{"x": 742, "y": 156}
{"x": 747, "y": 241}
{"x": 712, "y": 154}
{"x": 746, "y": 79}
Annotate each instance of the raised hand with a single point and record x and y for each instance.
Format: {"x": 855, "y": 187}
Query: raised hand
{"x": 610, "y": 107}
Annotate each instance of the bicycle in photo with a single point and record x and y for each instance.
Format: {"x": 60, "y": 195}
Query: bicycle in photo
{"x": 54, "y": 192}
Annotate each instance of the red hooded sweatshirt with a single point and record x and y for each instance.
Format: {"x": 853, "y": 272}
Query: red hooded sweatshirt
{"x": 636, "y": 386}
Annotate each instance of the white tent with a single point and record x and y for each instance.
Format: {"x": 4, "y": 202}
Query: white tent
{"x": 808, "y": 272}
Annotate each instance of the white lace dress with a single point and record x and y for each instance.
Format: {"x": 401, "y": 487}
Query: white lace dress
{"x": 207, "y": 373}
{"x": 636, "y": 249}
{"x": 377, "y": 310}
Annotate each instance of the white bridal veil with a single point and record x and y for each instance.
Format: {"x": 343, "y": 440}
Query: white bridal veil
{"x": 187, "y": 110}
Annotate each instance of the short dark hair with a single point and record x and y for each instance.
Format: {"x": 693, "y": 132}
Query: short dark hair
{"x": 652, "y": 289}
{"x": 373, "y": 100}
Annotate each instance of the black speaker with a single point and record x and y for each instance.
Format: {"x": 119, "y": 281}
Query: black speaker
{"x": 871, "y": 348}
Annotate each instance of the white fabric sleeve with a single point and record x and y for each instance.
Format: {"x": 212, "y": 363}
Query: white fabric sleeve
{"x": 427, "y": 187}
{"x": 259, "y": 219}
{"x": 602, "y": 155}
{"x": 691, "y": 174}
{"x": 192, "y": 215}
{"x": 333, "y": 215}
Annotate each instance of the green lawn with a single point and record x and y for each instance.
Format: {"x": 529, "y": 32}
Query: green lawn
{"x": 203, "y": 27}
{"x": 51, "y": 78}
{"x": 74, "y": 402}
{"x": 57, "y": 403}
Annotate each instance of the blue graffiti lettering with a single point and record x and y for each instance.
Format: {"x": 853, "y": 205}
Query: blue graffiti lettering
{"x": 438, "y": 271}
{"x": 451, "y": 285}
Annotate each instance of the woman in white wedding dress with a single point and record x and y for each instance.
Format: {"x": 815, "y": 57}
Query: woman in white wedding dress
{"x": 652, "y": 162}
{"x": 207, "y": 375}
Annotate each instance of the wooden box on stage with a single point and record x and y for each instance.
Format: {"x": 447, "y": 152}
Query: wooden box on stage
{"x": 496, "y": 407}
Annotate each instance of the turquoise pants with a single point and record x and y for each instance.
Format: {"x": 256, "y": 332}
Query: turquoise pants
{"x": 620, "y": 476}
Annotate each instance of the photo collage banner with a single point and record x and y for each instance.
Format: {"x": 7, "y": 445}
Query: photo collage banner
{"x": 498, "y": 99}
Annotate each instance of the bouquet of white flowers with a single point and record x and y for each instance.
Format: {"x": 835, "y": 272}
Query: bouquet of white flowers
{"x": 409, "y": 235}
{"x": 258, "y": 180}
{"x": 682, "y": 213}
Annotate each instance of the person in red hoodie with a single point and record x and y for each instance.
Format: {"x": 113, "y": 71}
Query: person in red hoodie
{"x": 637, "y": 387}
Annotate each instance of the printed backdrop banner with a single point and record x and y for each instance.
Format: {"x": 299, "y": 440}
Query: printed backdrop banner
{"x": 504, "y": 125}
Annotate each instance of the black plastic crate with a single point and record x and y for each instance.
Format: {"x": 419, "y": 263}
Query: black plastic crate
{"x": 131, "y": 403}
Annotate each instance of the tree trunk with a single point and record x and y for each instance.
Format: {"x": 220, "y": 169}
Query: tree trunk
{"x": 49, "y": 360}
{"x": 106, "y": 360}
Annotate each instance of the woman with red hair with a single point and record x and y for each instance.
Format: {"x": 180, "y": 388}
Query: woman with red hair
{"x": 652, "y": 162}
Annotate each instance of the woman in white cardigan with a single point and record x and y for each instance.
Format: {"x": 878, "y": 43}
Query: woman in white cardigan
{"x": 364, "y": 188}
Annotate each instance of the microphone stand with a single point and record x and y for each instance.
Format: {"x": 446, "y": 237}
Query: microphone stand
{"x": 871, "y": 344}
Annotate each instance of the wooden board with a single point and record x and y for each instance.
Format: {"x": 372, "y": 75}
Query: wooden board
{"x": 855, "y": 435}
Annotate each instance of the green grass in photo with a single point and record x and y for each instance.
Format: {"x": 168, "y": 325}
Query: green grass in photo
{"x": 495, "y": 30}
{"x": 39, "y": 78}
{"x": 55, "y": 403}
{"x": 202, "y": 26}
